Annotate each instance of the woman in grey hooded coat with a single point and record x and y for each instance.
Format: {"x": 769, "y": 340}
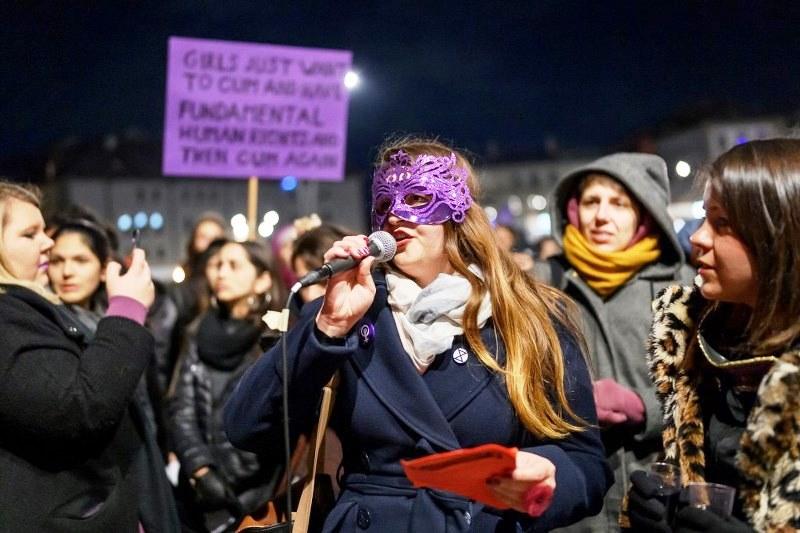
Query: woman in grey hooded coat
{"x": 620, "y": 250}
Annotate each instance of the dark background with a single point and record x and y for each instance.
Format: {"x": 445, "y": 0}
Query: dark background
{"x": 504, "y": 80}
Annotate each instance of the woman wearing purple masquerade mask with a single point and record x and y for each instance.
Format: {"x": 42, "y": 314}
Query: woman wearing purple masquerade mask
{"x": 451, "y": 346}
{"x": 427, "y": 190}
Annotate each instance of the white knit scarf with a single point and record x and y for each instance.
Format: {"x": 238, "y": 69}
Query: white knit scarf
{"x": 428, "y": 319}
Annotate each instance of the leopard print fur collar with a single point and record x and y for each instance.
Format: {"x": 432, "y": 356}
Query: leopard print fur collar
{"x": 769, "y": 457}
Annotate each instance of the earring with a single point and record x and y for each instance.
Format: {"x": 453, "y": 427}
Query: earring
{"x": 257, "y": 304}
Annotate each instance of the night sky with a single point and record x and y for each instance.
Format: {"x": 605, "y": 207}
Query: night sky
{"x": 496, "y": 78}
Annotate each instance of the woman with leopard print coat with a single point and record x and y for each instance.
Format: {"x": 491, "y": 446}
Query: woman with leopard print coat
{"x": 725, "y": 356}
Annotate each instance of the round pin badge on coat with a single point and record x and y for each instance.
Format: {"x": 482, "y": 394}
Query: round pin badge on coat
{"x": 460, "y": 355}
{"x": 366, "y": 332}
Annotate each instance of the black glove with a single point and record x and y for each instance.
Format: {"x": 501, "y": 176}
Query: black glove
{"x": 213, "y": 491}
{"x": 695, "y": 520}
{"x": 645, "y": 510}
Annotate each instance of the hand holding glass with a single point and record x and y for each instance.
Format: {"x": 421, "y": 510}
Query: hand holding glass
{"x": 668, "y": 478}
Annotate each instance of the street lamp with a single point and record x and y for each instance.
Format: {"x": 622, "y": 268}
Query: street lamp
{"x": 352, "y": 80}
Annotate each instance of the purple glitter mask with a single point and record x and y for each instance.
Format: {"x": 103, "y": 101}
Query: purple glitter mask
{"x": 428, "y": 190}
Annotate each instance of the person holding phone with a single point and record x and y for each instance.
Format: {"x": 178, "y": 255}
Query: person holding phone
{"x": 83, "y": 247}
{"x": 451, "y": 346}
{"x": 73, "y": 446}
{"x": 725, "y": 354}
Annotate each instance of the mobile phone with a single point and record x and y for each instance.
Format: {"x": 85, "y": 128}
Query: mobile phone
{"x": 136, "y": 239}
{"x": 136, "y": 242}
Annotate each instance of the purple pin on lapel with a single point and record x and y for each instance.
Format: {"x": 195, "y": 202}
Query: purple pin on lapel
{"x": 366, "y": 332}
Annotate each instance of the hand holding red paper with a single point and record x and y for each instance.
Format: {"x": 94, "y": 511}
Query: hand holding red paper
{"x": 504, "y": 478}
{"x": 530, "y": 487}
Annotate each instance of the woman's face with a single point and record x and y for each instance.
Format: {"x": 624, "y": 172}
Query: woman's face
{"x": 206, "y": 231}
{"x": 235, "y": 277}
{"x": 420, "y": 249}
{"x": 607, "y": 214}
{"x": 25, "y": 243}
{"x": 75, "y": 271}
{"x": 505, "y": 238}
{"x": 211, "y": 270}
{"x": 726, "y": 266}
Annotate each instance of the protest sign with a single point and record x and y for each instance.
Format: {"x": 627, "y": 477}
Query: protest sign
{"x": 242, "y": 109}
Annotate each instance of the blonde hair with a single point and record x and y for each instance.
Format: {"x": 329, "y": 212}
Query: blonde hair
{"x": 31, "y": 195}
{"x": 525, "y": 312}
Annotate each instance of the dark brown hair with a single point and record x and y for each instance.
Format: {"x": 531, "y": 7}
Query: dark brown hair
{"x": 312, "y": 245}
{"x": 758, "y": 184}
{"x": 193, "y": 265}
{"x": 260, "y": 256}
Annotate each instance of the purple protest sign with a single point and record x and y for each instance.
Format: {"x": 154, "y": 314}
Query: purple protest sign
{"x": 242, "y": 109}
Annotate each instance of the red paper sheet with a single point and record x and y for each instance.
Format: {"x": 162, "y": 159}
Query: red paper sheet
{"x": 464, "y": 471}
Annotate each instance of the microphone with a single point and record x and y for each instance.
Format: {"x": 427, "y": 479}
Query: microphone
{"x": 381, "y": 245}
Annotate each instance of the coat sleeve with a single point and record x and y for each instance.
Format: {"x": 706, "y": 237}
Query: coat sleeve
{"x": 187, "y": 439}
{"x": 53, "y": 392}
{"x": 583, "y": 475}
{"x": 254, "y": 414}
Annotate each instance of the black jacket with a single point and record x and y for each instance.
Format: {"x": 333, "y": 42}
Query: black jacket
{"x": 71, "y": 445}
{"x": 161, "y": 321}
{"x": 195, "y": 413}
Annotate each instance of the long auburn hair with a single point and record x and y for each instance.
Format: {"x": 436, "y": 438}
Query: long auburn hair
{"x": 758, "y": 184}
{"x": 526, "y": 313}
{"x": 31, "y": 195}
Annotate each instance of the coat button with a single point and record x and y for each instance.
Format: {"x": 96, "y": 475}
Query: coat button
{"x": 363, "y": 518}
{"x": 72, "y": 331}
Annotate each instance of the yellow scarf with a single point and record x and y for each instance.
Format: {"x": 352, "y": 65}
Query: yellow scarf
{"x": 605, "y": 272}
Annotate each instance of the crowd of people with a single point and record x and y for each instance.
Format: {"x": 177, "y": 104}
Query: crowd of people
{"x": 615, "y": 344}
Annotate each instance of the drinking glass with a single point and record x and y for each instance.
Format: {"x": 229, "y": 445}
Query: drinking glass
{"x": 712, "y": 496}
{"x": 668, "y": 478}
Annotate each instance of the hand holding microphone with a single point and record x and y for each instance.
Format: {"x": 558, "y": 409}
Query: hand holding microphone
{"x": 351, "y": 289}
{"x": 380, "y": 245}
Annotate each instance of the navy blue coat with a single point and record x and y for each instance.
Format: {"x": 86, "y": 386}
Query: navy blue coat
{"x": 385, "y": 411}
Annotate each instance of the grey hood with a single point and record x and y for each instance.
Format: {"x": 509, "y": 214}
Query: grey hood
{"x": 644, "y": 175}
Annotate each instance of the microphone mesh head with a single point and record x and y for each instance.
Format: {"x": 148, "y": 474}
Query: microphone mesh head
{"x": 386, "y": 243}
